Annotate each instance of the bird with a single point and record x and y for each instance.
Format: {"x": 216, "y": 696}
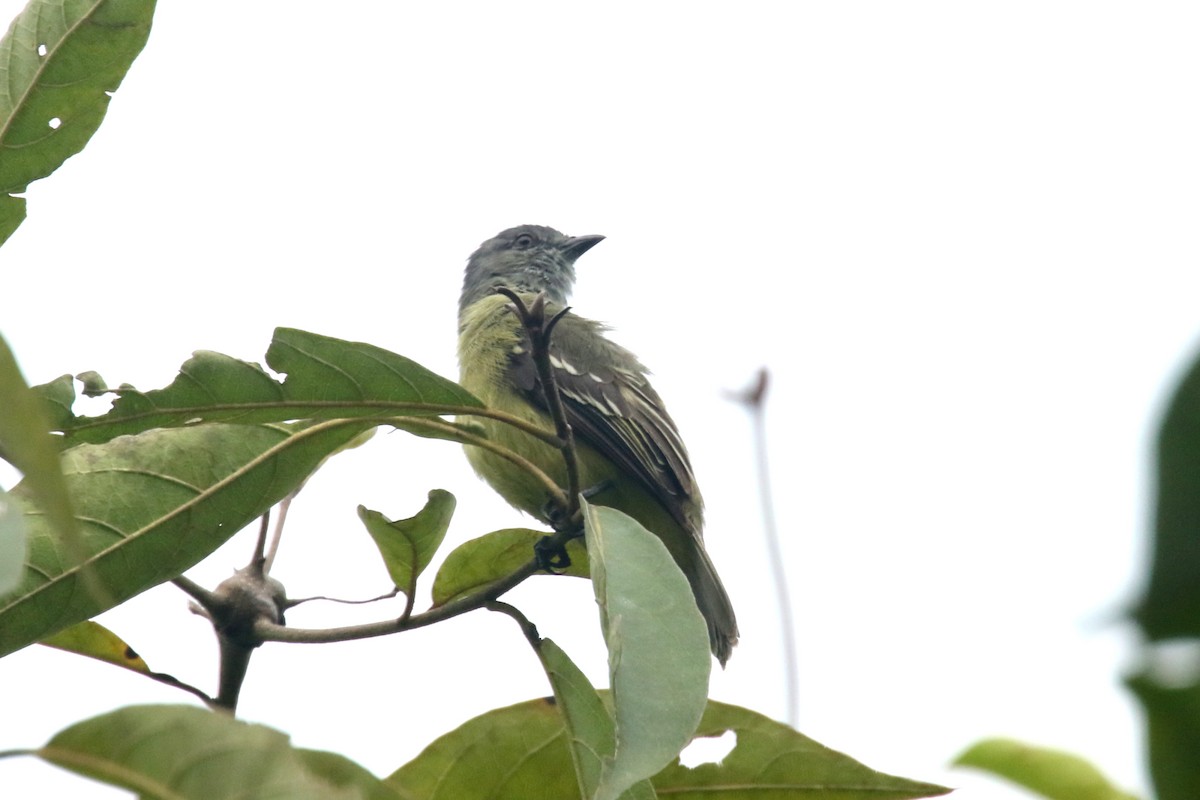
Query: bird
{"x": 628, "y": 448}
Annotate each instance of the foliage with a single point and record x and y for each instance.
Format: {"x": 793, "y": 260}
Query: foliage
{"x": 113, "y": 505}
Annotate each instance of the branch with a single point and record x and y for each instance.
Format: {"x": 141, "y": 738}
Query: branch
{"x": 266, "y": 631}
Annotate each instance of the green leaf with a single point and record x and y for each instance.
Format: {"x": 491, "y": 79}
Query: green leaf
{"x": 514, "y": 753}
{"x": 61, "y": 61}
{"x": 93, "y": 640}
{"x": 26, "y": 443}
{"x": 151, "y": 506}
{"x": 185, "y": 753}
{"x": 658, "y": 655}
{"x": 1051, "y": 773}
{"x": 14, "y": 538}
{"x": 591, "y": 734}
{"x": 770, "y": 761}
{"x": 1173, "y": 734}
{"x": 1170, "y": 608}
{"x": 481, "y": 562}
{"x": 408, "y": 545}
{"x": 778, "y": 763}
{"x": 326, "y": 379}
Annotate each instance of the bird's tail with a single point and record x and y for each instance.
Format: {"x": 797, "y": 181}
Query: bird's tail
{"x": 714, "y": 604}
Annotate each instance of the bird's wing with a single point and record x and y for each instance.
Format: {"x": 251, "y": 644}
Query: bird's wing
{"x": 611, "y": 406}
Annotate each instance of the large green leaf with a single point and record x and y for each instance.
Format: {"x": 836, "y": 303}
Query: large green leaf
{"x": 1053, "y": 774}
{"x": 152, "y": 505}
{"x": 60, "y": 61}
{"x": 327, "y": 378}
{"x": 482, "y": 561}
{"x": 408, "y": 545}
{"x": 521, "y": 753}
{"x": 186, "y": 753}
{"x": 658, "y": 653}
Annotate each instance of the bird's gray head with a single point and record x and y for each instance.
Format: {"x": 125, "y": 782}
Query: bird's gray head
{"x": 528, "y": 258}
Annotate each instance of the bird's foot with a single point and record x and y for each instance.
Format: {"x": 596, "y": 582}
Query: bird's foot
{"x": 551, "y": 554}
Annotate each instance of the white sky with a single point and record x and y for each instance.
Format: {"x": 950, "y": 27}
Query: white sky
{"x": 962, "y": 237}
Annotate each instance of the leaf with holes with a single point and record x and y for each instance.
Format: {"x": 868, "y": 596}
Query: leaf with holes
{"x": 62, "y": 60}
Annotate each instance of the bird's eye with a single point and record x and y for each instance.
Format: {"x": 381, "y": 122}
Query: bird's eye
{"x": 524, "y": 241}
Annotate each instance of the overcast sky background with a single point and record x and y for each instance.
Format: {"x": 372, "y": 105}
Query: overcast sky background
{"x": 962, "y": 237}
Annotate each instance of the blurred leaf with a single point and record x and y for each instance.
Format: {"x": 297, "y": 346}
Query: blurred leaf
{"x": 1051, "y": 773}
{"x": 326, "y": 378}
{"x": 181, "y": 753}
{"x": 14, "y": 537}
{"x": 1173, "y": 736}
{"x": 769, "y": 762}
{"x": 1171, "y": 605}
{"x": 26, "y": 443}
{"x": 658, "y": 654}
{"x": 408, "y": 545}
{"x": 480, "y": 562}
{"x": 590, "y": 732}
{"x": 61, "y": 59}
{"x": 151, "y": 506}
{"x": 93, "y": 640}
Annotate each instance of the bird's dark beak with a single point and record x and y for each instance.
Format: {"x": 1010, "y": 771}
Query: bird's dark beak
{"x": 578, "y": 245}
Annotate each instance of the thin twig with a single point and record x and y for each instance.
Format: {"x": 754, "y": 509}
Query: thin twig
{"x": 269, "y": 632}
{"x": 754, "y": 399}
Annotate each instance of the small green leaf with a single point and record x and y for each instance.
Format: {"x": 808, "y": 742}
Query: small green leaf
{"x": 658, "y": 658}
{"x": 481, "y": 562}
{"x": 151, "y": 506}
{"x": 1051, "y": 773}
{"x": 589, "y": 726}
{"x": 529, "y": 740}
{"x": 408, "y": 545}
{"x": 62, "y": 60}
{"x": 187, "y": 753}
{"x": 93, "y": 640}
{"x": 327, "y": 378}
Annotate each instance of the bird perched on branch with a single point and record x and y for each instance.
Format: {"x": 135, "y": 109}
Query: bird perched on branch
{"x": 628, "y": 447}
